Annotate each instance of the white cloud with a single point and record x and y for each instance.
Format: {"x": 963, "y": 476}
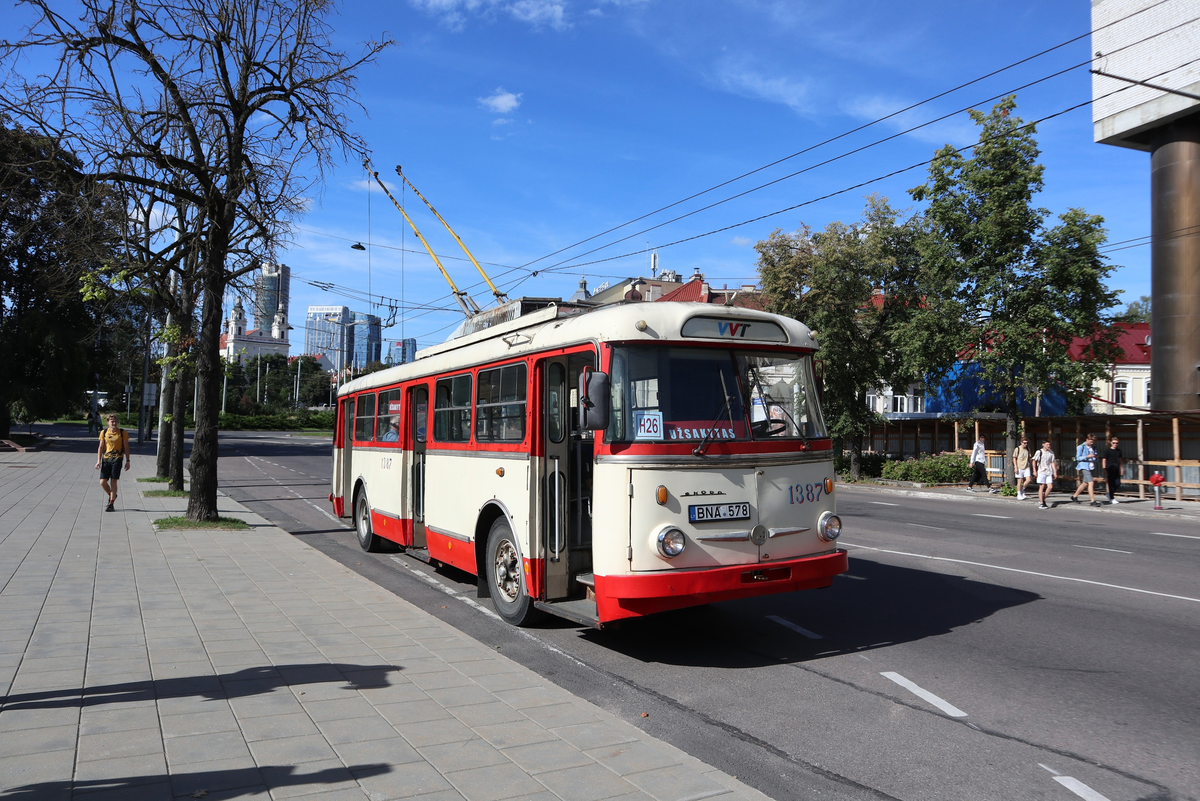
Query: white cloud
{"x": 750, "y": 82}
{"x": 538, "y": 13}
{"x": 502, "y": 121}
{"x": 501, "y": 101}
{"x": 957, "y": 130}
{"x": 742, "y": 241}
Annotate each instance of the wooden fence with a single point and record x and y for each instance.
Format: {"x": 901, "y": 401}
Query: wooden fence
{"x": 1166, "y": 443}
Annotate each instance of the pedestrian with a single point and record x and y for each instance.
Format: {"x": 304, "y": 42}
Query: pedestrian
{"x": 979, "y": 474}
{"x": 114, "y": 443}
{"x": 1022, "y": 473}
{"x": 1047, "y": 473}
{"x": 1112, "y": 469}
{"x": 91, "y": 424}
{"x": 1085, "y": 463}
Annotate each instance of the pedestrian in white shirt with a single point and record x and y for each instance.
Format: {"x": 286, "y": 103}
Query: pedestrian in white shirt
{"x": 979, "y": 473}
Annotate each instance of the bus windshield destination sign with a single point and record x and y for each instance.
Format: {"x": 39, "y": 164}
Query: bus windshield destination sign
{"x": 741, "y": 330}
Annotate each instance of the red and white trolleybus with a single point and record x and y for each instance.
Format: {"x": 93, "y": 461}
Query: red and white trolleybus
{"x": 600, "y": 463}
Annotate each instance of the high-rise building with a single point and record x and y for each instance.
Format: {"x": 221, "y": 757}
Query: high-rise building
{"x": 367, "y": 336}
{"x": 327, "y": 331}
{"x": 272, "y": 287}
{"x": 402, "y": 352}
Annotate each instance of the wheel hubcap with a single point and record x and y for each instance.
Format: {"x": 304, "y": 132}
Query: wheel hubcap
{"x": 507, "y": 574}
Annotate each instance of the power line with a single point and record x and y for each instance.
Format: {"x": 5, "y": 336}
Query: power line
{"x": 859, "y": 185}
{"x": 856, "y": 130}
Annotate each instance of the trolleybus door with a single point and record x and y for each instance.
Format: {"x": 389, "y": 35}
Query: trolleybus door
{"x": 556, "y": 437}
{"x": 566, "y": 514}
{"x": 418, "y": 414}
{"x": 348, "y": 456}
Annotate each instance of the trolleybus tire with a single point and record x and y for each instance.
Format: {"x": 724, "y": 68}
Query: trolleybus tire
{"x": 367, "y": 539}
{"x": 506, "y": 577}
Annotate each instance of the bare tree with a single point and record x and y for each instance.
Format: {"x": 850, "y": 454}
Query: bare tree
{"x": 234, "y": 108}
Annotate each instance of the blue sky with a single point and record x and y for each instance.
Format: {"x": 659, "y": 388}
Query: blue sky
{"x": 534, "y": 124}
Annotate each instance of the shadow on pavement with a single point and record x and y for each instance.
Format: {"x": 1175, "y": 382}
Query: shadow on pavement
{"x": 877, "y": 605}
{"x": 233, "y": 783}
{"x": 243, "y": 683}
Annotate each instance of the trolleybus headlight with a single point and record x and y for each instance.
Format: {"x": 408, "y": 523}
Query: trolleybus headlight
{"x": 670, "y": 542}
{"x": 829, "y": 526}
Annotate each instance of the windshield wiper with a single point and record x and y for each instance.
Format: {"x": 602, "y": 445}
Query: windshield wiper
{"x": 767, "y": 404}
{"x": 726, "y": 411}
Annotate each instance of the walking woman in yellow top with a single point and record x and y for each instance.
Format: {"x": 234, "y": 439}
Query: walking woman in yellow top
{"x": 114, "y": 443}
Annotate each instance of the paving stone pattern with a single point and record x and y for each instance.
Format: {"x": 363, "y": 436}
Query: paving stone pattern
{"x": 142, "y": 664}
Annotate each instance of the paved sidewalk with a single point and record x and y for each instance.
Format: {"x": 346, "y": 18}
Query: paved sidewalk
{"x": 143, "y": 664}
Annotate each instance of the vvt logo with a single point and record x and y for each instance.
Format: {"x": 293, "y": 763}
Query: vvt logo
{"x": 733, "y": 329}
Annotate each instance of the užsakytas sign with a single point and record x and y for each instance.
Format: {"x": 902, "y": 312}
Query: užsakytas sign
{"x": 733, "y": 328}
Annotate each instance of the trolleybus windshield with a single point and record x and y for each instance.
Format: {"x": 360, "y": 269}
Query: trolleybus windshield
{"x": 666, "y": 394}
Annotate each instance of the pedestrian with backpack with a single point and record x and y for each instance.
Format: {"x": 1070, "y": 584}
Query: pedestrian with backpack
{"x": 114, "y": 444}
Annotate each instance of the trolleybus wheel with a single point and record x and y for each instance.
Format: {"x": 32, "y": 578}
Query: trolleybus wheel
{"x": 367, "y": 539}
{"x": 506, "y": 577}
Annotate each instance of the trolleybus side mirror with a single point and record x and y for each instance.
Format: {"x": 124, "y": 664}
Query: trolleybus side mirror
{"x": 593, "y": 400}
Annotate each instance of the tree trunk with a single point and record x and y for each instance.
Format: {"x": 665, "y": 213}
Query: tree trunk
{"x": 167, "y": 398}
{"x": 856, "y": 449}
{"x": 1012, "y": 435}
{"x": 179, "y": 408}
{"x": 202, "y": 502}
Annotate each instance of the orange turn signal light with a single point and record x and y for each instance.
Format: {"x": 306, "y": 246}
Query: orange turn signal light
{"x": 829, "y": 486}
{"x": 661, "y": 495}
{"x": 500, "y": 472}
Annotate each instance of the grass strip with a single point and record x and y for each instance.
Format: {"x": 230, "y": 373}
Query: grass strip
{"x": 155, "y": 480}
{"x": 223, "y": 523}
{"x": 167, "y": 493}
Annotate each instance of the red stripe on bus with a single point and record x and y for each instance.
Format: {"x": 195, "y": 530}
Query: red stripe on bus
{"x": 450, "y": 551}
{"x": 619, "y": 597}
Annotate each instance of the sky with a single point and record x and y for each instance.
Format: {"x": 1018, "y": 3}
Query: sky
{"x": 533, "y": 125}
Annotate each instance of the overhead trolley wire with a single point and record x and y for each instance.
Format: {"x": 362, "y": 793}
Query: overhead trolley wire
{"x": 859, "y": 185}
{"x": 862, "y": 127}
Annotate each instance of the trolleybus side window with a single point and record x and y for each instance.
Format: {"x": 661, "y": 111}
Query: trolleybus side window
{"x": 364, "y": 420}
{"x": 500, "y": 406}
{"x": 388, "y": 427}
{"x": 452, "y": 409}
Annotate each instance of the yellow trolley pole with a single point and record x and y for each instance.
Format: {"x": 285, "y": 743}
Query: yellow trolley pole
{"x": 469, "y": 306}
{"x": 500, "y": 296}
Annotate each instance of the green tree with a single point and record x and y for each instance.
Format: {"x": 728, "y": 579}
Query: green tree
{"x": 1000, "y": 289}
{"x": 1138, "y": 311}
{"x": 53, "y": 224}
{"x": 852, "y": 284}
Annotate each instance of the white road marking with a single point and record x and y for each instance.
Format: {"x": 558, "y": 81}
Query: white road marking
{"x": 1182, "y": 536}
{"x": 882, "y": 503}
{"x": 1026, "y": 572}
{"x": 918, "y": 525}
{"x": 298, "y": 495}
{"x": 1047, "y": 767}
{"x": 471, "y": 602}
{"x": 947, "y": 707}
{"x": 1095, "y": 548}
{"x": 789, "y": 624}
{"x": 997, "y": 517}
{"x": 1079, "y": 788}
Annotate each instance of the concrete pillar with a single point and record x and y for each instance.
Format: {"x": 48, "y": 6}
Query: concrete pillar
{"x": 1175, "y": 265}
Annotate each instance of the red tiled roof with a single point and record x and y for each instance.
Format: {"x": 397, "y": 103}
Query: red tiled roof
{"x": 1131, "y": 338}
{"x": 700, "y": 292}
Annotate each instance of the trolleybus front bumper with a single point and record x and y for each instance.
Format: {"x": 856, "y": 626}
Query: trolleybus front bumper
{"x": 646, "y": 593}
